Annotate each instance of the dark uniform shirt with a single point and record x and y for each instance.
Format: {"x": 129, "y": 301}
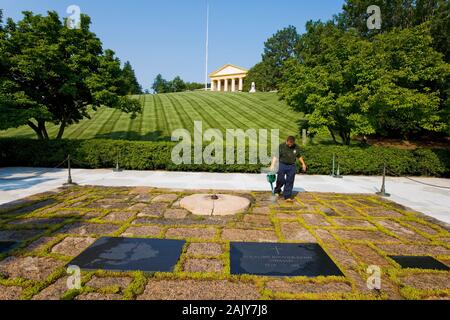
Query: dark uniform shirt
{"x": 289, "y": 155}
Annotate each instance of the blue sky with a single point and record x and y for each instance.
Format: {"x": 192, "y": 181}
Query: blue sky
{"x": 168, "y": 36}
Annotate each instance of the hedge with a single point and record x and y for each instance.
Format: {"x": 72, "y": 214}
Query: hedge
{"x": 136, "y": 155}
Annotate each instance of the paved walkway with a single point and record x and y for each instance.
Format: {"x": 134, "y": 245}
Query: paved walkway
{"x": 17, "y": 183}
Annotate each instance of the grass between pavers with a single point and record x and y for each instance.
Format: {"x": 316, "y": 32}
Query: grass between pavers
{"x": 77, "y": 200}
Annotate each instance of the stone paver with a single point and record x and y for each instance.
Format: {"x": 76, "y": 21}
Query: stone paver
{"x": 343, "y": 209}
{"x": 364, "y": 235}
{"x": 53, "y": 291}
{"x": 89, "y": 229}
{"x": 293, "y": 231}
{"x": 258, "y": 221}
{"x": 249, "y": 235}
{"x": 401, "y": 231}
{"x": 10, "y": 292}
{"x": 422, "y": 227}
{"x": 36, "y": 222}
{"x": 203, "y": 265}
{"x": 33, "y": 268}
{"x": 427, "y": 281}
{"x": 150, "y": 210}
{"x": 144, "y": 231}
{"x": 104, "y": 282}
{"x": 427, "y": 200}
{"x": 355, "y": 231}
{"x": 118, "y": 216}
{"x": 414, "y": 249}
{"x": 207, "y": 249}
{"x": 177, "y": 214}
{"x": 368, "y": 255}
{"x": 308, "y": 287}
{"x": 18, "y": 235}
{"x": 381, "y": 212}
{"x": 40, "y": 243}
{"x": 343, "y": 222}
{"x": 199, "y": 290}
{"x": 261, "y": 210}
{"x": 207, "y": 233}
{"x": 99, "y": 296}
{"x": 72, "y": 246}
{"x": 169, "y": 198}
{"x": 315, "y": 220}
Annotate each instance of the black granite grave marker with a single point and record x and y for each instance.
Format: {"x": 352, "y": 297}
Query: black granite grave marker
{"x": 6, "y": 246}
{"x": 281, "y": 259}
{"x": 420, "y": 262}
{"x": 130, "y": 254}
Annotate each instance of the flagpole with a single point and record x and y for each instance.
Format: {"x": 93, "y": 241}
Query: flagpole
{"x": 207, "y": 45}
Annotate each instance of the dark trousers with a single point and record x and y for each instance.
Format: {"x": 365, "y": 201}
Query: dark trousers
{"x": 286, "y": 179}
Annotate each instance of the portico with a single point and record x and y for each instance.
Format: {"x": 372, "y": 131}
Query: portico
{"x": 229, "y": 78}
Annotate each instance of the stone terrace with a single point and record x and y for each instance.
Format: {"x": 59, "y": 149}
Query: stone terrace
{"x": 355, "y": 230}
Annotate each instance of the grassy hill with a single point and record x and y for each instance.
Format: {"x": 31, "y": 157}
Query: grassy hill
{"x": 166, "y": 112}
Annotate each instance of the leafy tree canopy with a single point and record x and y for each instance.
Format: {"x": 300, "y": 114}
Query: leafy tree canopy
{"x": 161, "y": 85}
{"x": 277, "y": 49}
{"x": 391, "y": 85}
{"x": 132, "y": 85}
{"x": 401, "y": 14}
{"x": 54, "y": 74}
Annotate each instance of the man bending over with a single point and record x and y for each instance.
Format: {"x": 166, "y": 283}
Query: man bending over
{"x": 289, "y": 154}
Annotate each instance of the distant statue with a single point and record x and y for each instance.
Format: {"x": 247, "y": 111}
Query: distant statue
{"x": 253, "y": 89}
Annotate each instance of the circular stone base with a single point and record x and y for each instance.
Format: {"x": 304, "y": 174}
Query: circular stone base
{"x": 215, "y": 205}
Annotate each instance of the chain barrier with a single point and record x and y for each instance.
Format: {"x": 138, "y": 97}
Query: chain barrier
{"x": 80, "y": 162}
{"x": 41, "y": 173}
{"x": 416, "y": 181}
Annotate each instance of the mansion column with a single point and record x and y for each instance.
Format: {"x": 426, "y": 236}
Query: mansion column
{"x": 219, "y": 85}
{"x": 241, "y": 84}
{"x": 233, "y": 85}
{"x": 226, "y": 85}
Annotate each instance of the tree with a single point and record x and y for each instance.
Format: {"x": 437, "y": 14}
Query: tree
{"x": 277, "y": 49}
{"x": 160, "y": 85}
{"x": 191, "y": 86}
{"x": 401, "y": 14}
{"x": 407, "y": 97}
{"x": 53, "y": 74}
{"x": 177, "y": 85}
{"x": 354, "y": 86}
{"x": 261, "y": 74}
{"x": 131, "y": 86}
{"x": 281, "y": 46}
{"x": 321, "y": 84}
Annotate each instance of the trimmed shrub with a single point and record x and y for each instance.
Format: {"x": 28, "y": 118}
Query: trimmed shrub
{"x": 136, "y": 155}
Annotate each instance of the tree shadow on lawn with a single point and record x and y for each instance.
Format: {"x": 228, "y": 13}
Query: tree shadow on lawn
{"x": 134, "y": 136}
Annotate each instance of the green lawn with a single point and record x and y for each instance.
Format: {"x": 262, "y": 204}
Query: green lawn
{"x": 164, "y": 113}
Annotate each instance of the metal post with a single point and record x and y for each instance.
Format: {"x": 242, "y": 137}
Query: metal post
{"x": 383, "y": 193}
{"x": 69, "y": 178}
{"x": 334, "y": 164}
{"x": 117, "y": 169}
{"x": 338, "y": 173}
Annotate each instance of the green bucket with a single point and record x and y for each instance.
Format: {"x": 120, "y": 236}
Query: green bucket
{"x": 271, "y": 177}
